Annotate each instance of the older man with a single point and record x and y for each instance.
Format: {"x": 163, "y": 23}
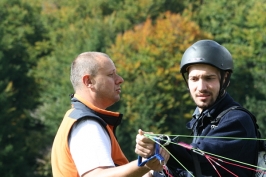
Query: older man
{"x": 85, "y": 144}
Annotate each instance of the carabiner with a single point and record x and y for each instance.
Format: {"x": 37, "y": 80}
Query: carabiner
{"x": 198, "y": 151}
{"x": 164, "y": 140}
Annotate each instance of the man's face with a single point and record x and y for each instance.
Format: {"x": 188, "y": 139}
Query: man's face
{"x": 107, "y": 83}
{"x": 204, "y": 84}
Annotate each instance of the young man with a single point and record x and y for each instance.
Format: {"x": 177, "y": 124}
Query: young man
{"x": 85, "y": 144}
{"x": 206, "y": 67}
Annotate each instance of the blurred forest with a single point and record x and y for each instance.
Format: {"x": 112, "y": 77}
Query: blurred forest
{"x": 145, "y": 38}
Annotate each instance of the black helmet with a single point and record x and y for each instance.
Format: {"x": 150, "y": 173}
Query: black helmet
{"x": 207, "y": 52}
{"x": 211, "y": 53}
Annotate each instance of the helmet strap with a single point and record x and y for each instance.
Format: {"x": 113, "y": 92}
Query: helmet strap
{"x": 185, "y": 79}
{"x": 224, "y": 82}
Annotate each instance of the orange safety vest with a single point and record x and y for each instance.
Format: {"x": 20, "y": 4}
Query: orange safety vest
{"x": 61, "y": 159}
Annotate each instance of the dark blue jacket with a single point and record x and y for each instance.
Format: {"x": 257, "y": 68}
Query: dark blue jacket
{"x": 235, "y": 123}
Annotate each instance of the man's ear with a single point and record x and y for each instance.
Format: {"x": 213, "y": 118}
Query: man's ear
{"x": 87, "y": 80}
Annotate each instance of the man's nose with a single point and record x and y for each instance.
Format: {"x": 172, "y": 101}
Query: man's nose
{"x": 201, "y": 85}
{"x": 119, "y": 79}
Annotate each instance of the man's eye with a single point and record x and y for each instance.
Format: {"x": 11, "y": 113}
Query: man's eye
{"x": 193, "y": 79}
{"x": 209, "y": 78}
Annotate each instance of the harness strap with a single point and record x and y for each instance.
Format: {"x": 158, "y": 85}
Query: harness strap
{"x": 196, "y": 165}
{"x": 194, "y": 154}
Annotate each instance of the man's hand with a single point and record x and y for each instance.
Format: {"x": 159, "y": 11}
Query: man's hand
{"x": 164, "y": 154}
{"x": 154, "y": 165}
{"x": 144, "y": 146}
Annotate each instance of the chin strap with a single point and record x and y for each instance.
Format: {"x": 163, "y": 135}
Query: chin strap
{"x": 225, "y": 81}
{"x": 157, "y": 155}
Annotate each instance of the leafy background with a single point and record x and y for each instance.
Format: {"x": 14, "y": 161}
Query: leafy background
{"x": 146, "y": 40}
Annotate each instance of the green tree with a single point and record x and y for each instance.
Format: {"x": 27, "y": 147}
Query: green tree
{"x": 22, "y": 42}
{"x": 81, "y": 25}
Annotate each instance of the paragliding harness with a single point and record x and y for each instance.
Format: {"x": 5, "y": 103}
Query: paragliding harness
{"x": 261, "y": 158}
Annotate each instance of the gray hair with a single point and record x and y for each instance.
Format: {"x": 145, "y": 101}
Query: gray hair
{"x": 85, "y": 63}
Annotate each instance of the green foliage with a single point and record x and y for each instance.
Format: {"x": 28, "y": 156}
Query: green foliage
{"x": 145, "y": 38}
{"x": 22, "y": 39}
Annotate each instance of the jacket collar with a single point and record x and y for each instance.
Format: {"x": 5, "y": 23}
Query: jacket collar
{"x": 212, "y": 112}
{"x": 111, "y": 118}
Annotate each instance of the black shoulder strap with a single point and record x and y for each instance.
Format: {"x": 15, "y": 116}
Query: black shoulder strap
{"x": 218, "y": 118}
{"x": 258, "y": 134}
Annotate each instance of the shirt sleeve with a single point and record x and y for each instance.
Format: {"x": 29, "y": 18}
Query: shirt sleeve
{"x": 90, "y": 146}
